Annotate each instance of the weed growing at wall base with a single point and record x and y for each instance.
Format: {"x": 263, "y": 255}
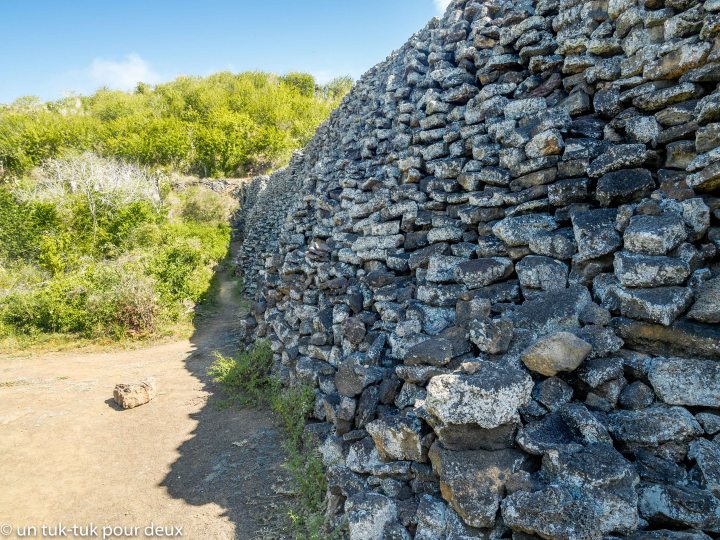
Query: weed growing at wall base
{"x": 247, "y": 378}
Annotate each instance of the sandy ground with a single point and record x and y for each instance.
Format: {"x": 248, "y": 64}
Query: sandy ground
{"x": 69, "y": 456}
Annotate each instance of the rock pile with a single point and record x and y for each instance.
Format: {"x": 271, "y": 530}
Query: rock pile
{"x": 497, "y": 264}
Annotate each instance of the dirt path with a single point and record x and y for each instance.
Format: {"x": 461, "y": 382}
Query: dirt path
{"x": 68, "y": 455}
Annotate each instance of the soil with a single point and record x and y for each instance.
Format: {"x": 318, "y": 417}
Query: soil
{"x": 70, "y": 456}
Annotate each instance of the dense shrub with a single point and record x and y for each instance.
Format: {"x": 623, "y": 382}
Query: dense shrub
{"x": 222, "y": 125}
{"x": 102, "y": 253}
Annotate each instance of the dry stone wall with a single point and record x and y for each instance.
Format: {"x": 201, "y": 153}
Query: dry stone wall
{"x": 497, "y": 264}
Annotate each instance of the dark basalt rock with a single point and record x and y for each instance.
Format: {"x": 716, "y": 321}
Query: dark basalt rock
{"x": 624, "y": 186}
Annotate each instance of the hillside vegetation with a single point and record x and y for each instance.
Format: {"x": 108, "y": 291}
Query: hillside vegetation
{"x": 95, "y": 240}
{"x": 98, "y": 248}
{"x": 222, "y": 125}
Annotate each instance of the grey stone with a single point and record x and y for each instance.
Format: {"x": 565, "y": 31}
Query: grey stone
{"x": 491, "y": 336}
{"x": 490, "y": 397}
{"x": 478, "y": 273}
{"x": 553, "y": 393}
{"x": 545, "y": 273}
{"x": 624, "y": 186}
{"x": 549, "y": 433}
{"x": 707, "y": 302}
{"x": 584, "y": 426}
{"x": 399, "y": 438}
{"x": 707, "y": 458}
{"x": 685, "y": 381}
{"x": 682, "y": 338}
{"x": 518, "y": 231}
{"x": 621, "y": 156}
{"x": 654, "y": 235}
{"x": 441, "y": 268}
{"x": 557, "y": 246}
{"x": 709, "y": 421}
{"x": 563, "y": 513}
{"x": 680, "y": 506}
{"x": 595, "y": 233}
{"x": 652, "y": 426}
{"x": 636, "y": 395}
{"x": 637, "y": 270}
{"x": 660, "y": 305}
{"x": 353, "y": 376}
{"x": 369, "y": 514}
{"x": 435, "y": 352}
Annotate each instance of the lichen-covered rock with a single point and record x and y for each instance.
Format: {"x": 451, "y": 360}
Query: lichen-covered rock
{"x": 660, "y": 305}
{"x": 369, "y": 515}
{"x": 595, "y": 233}
{"x": 568, "y": 514}
{"x": 683, "y": 506}
{"x": 490, "y": 397}
{"x": 435, "y": 352}
{"x": 478, "y": 273}
{"x": 520, "y": 230}
{"x": 684, "y": 381}
{"x": 399, "y": 438}
{"x": 653, "y": 426}
{"x": 545, "y": 273}
{"x": 707, "y": 458}
{"x": 624, "y": 186}
{"x": 491, "y": 336}
{"x": 654, "y": 235}
{"x": 707, "y": 302}
{"x": 635, "y": 270}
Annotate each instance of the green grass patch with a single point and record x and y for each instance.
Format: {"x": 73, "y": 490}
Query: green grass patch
{"x": 246, "y": 376}
{"x": 248, "y": 381}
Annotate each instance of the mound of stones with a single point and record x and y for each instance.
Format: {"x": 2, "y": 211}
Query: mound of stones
{"x": 497, "y": 265}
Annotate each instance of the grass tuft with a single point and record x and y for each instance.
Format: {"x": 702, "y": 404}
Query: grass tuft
{"x": 247, "y": 378}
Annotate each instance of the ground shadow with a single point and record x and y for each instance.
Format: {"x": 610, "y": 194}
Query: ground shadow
{"x": 113, "y": 404}
{"x": 234, "y": 456}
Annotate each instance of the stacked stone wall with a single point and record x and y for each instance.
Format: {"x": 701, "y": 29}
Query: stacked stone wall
{"x": 497, "y": 264}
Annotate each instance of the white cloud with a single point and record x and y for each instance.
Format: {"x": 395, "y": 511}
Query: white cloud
{"x": 122, "y": 74}
{"x": 441, "y": 5}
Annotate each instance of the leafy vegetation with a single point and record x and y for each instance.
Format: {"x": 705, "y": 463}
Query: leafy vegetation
{"x": 247, "y": 375}
{"x": 247, "y": 378}
{"x": 222, "y": 125}
{"x": 102, "y": 249}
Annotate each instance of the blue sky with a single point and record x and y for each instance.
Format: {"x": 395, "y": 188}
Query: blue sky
{"x": 51, "y": 47}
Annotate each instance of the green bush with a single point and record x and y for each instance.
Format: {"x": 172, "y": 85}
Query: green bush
{"x": 223, "y": 125}
{"x": 206, "y": 207}
{"x": 105, "y": 261}
{"x": 105, "y": 299}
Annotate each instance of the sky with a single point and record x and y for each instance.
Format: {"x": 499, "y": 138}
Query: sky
{"x": 49, "y": 48}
